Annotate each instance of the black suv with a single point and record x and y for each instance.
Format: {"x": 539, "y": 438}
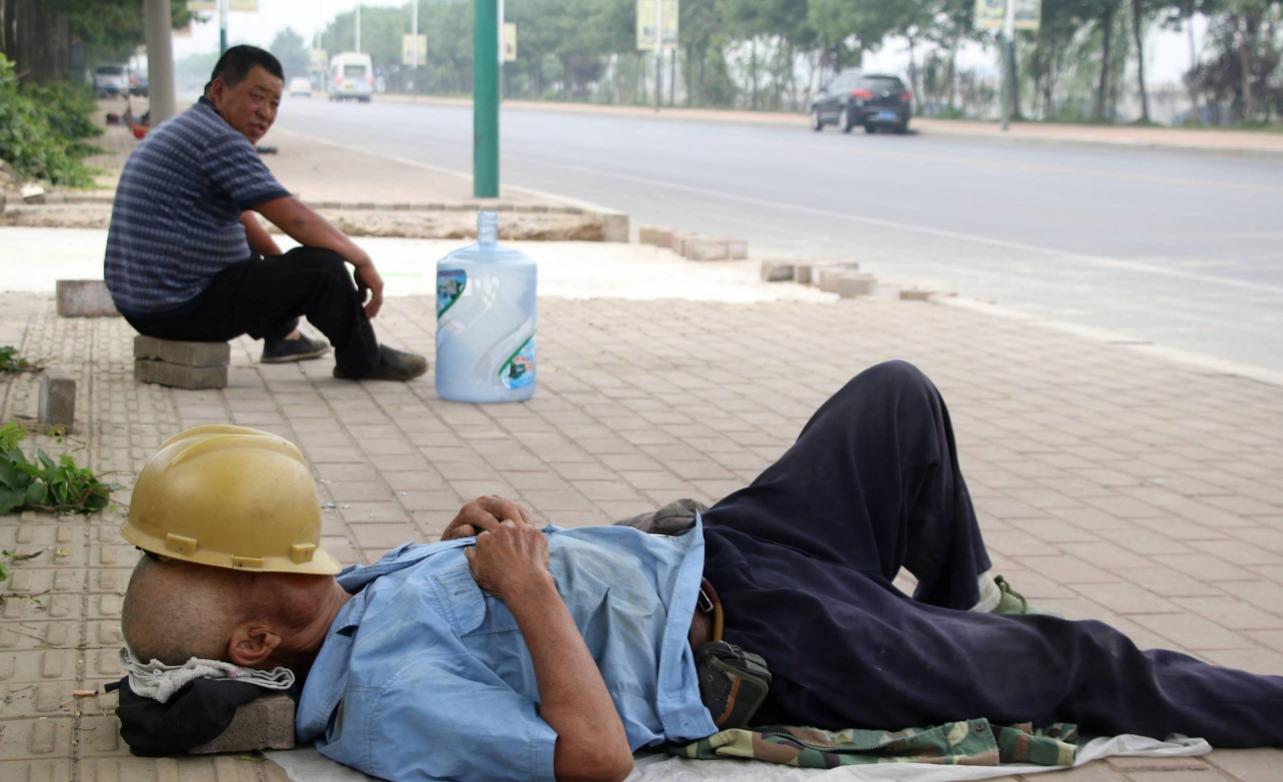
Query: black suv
{"x": 869, "y": 99}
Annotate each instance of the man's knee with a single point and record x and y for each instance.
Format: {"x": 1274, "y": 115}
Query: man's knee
{"x": 322, "y": 262}
{"x": 896, "y": 374}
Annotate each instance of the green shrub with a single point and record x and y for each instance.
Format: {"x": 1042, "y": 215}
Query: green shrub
{"x": 58, "y": 487}
{"x": 42, "y": 129}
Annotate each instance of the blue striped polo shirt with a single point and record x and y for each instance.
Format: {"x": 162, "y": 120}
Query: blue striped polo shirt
{"x": 175, "y": 222}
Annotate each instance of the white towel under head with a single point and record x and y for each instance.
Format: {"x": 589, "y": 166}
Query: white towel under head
{"x": 159, "y": 681}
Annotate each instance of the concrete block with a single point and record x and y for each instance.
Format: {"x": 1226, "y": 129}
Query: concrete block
{"x": 163, "y": 373}
{"x": 660, "y": 237}
{"x": 32, "y": 194}
{"x": 709, "y": 248}
{"x": 57, "y": 405}
{"x": 845, "y": 283}
{"x": 267, "y": 722}
{"x": 85, "y": 299}
{"x": 854, "y": 284}
{"x": 188, "y": 354}
{"x": 915, "y": 294}
{"x": 803, "y": 273}
{"x": 777, "y": 271}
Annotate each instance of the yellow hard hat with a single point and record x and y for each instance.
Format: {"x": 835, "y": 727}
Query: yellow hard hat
{"x": 233, "y": 497}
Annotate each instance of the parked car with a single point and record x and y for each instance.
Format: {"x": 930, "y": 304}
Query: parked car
{"x": 301, "y": 85}
{"x": 110, "y": 81}
{"x": 351, "y": 76}
{"x": 139, "y": 85}
{"x": 872, "y": 100}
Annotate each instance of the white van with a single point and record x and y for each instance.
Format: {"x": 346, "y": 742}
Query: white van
{"x": 351, "y": 76}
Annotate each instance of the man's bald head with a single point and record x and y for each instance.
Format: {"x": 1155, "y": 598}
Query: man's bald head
{"x": 177, "y": 610}
{"x": 174, "y": 611}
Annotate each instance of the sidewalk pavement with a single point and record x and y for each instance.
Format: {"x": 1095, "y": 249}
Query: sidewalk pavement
{"x": 1111, "y": 484}
{"x": 1203, "y": 139}
{"x": 362, "y": 194}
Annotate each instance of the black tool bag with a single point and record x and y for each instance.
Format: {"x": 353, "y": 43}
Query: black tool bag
{"x": 732, "y": 682}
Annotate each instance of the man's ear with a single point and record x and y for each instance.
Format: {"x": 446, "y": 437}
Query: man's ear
{"x": 252, "y": 644}
{"x": 216, "y": 89}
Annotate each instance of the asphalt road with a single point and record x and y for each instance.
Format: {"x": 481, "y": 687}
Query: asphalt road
{"x": 1180, "y": 249}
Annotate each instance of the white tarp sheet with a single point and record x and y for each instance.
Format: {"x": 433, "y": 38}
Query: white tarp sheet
{"x": 308, "y": 765}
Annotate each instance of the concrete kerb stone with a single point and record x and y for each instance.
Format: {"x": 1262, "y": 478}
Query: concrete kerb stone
{"x": 85, "y": 299}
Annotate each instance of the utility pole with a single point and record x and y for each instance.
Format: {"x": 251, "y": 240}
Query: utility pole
{"x": 358, "y": 28}
{"x": 485, "y": 99}
{"x": 222, "y": 26}
{"x": 414, "y": 34}
{"x": 1008, "y": 62}
{"x": 160, "y": 59}
{"x": 659, "y": 51}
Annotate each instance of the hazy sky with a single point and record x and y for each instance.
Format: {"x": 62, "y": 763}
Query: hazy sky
{"x": 1166, "y": 59}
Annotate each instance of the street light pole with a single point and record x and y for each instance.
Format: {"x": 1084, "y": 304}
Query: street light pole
{"x": 160, "y": 59}
{"x": 485, "y": 99}
{"x": 414, "y": 34}
{"x": 358, "y": 28}
{"x": 222, "y": 26}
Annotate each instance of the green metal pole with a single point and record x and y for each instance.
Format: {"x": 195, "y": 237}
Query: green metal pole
{"x": 222, "y": 26}
{"x": 485, "y": 99}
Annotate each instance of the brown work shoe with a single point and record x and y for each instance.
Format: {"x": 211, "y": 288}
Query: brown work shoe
{"x": 393, "y": 365}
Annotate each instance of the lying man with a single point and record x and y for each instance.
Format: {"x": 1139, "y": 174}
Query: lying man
{"x": 188, "y": 260}
{"x": 523, "y": 653}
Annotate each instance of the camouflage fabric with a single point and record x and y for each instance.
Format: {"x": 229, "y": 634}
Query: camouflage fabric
{"x": 973, "y": 742}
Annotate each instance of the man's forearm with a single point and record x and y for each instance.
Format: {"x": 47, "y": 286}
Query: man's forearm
{"x": 260, "y": 241}
{"x": 591, "y": 742}
{"x": 305, "y": 226}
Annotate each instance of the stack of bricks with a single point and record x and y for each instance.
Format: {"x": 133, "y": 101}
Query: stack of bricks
{"x": 190, "y": 365}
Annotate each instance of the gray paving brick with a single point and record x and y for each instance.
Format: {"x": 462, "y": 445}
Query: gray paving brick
{"x": 178, "y": 376}
{"x": 188, "y": 354}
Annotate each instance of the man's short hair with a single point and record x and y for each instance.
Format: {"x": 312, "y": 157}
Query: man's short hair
{"x": 238, "y": 61}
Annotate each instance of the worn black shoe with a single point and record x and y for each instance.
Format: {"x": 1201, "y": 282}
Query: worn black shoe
{"x": 393, "y": 365}
{"x": 280, "y": 351}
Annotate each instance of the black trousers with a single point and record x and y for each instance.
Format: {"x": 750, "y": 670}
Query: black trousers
{"x": 265, "y": 298}
{"x": 804, "y": 557}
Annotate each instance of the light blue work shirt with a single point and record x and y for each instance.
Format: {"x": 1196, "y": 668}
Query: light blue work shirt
{"x": 423, "y": 676}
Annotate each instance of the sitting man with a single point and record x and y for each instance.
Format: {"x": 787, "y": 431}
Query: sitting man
{"x": 188, "y": 260}
{"x": 510, "y": 652}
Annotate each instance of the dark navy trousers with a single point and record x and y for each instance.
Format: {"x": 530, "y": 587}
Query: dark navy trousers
{"x": 804, "y": 557}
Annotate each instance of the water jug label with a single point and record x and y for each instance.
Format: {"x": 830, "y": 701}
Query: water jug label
{"x": 450, "y": 285}
{"x": 519, "y": 370}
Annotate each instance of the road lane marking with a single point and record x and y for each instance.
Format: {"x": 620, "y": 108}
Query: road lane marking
{"x": 944, "y": 233}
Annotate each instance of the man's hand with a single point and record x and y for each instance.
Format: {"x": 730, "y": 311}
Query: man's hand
{"x": 482, "y": 514}
{"x": 369, "y": 285}
{"x": 510, "y": 559}
{"x": 308, "y": 228}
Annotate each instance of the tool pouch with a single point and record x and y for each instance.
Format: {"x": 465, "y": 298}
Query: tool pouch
{"x": 732, "y": 682}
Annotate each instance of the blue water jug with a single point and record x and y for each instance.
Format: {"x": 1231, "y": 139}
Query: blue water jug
{"x": 486, "y": 320}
